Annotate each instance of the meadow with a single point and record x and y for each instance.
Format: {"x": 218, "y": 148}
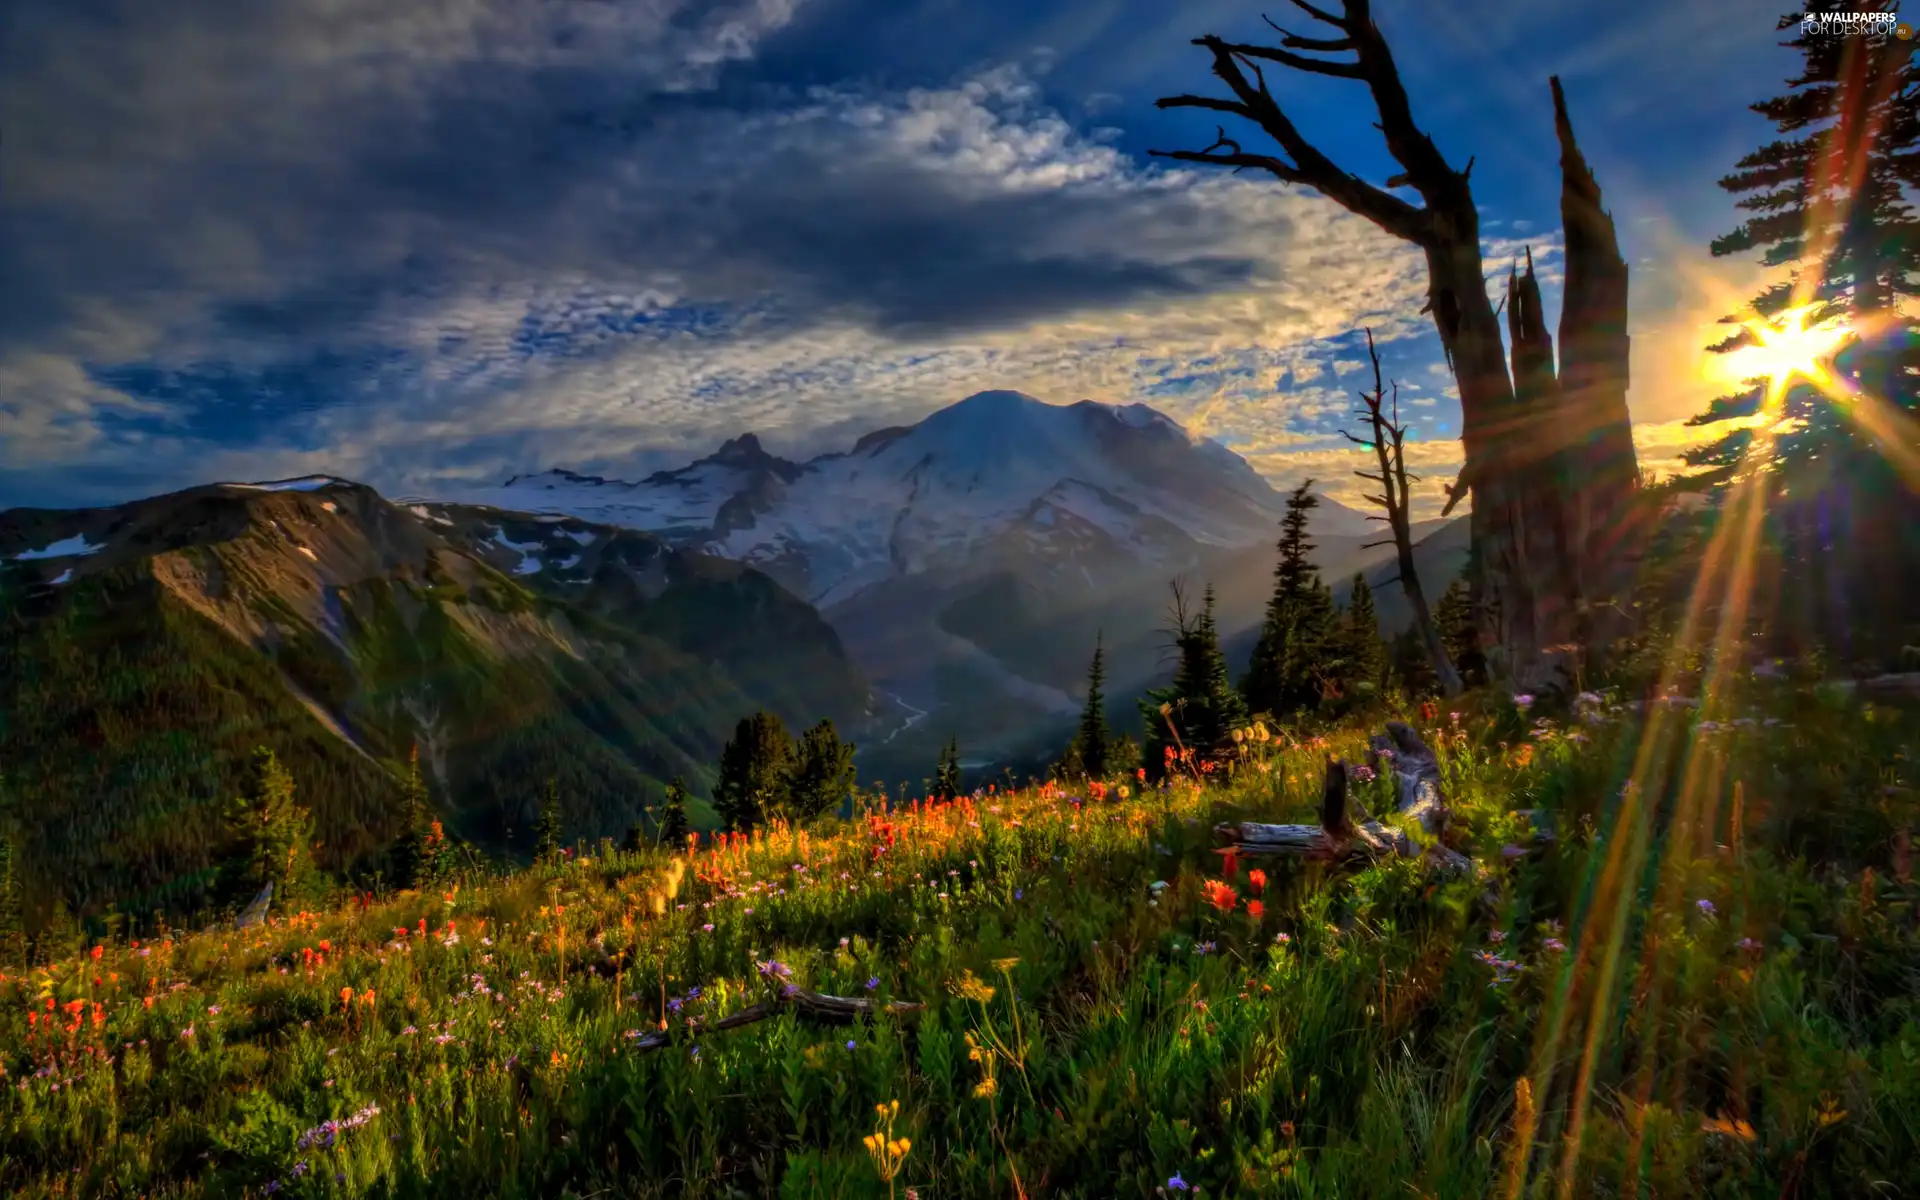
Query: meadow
{"x": 1705, "y": 983}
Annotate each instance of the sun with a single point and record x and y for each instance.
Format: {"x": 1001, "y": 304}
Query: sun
{"x": 1788, "y": 348}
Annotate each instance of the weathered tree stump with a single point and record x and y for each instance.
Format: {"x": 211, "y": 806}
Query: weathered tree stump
{"x": 816, "y": 1006}
{"x": 1346, "y": 831}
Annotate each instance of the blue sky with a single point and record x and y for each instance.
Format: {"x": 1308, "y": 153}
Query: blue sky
{"x": 425, "y": 245}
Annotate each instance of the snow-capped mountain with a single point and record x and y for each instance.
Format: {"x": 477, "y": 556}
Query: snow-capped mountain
{"x": 1088, "y": 488}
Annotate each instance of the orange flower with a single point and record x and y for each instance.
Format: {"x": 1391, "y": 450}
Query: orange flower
{"x": 1221, "y": 895}
{"x": 97, "y": 952}
{"x": 326, "y": 947}
{"x": 1257, "y": 881}
{"x": 346, "y": 997}
{"x": 1256, "y": 910}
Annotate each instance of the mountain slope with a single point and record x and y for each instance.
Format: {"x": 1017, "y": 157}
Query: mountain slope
{"x": 967, "y": 559}
{"x": 150, "y": 646}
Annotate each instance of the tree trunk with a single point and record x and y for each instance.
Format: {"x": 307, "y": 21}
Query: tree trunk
{"x": 1600, "y": 467}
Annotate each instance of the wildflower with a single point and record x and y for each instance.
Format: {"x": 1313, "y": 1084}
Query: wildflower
{"x": 1523, "y": 701}
{"x": 187, "y": 1033}
{"x": 97, "y": 952}
{"x": 213, "y": 1010}
{"x": 1256, "y": 910}
{"x": 1497, "y": 936}
{"x": 1221, "y": 895}
{"x": 1282, "y": 938}
{"x": 873, "y": 981}
{"x": 774, "y": 969}
{"x": 1748, "y": 944}
{"x": 1554, "y": 944}
{"x": 1203, "y": 947}
{"x": 1177, "y": 1184}
{"x": 1705, "y": 906}
{"x": 707, "y": 928}
{"x": 850, "y": 1044}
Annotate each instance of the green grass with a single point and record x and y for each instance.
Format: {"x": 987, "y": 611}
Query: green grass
{"x": 1358, "y": 1039}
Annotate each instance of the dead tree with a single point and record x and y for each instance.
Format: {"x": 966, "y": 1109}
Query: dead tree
{"x": 1514, "y": 451}
{"x": 1389, "y": 447}
{"x": 809, "y": 1005}
{"x": 1346, "y": 831}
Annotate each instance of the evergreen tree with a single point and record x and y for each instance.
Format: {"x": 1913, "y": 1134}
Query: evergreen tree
{"x": 636, "y": 839}
{"x": 1364, "y": 657}
{"x": 673, "y": 815}
{"x": 946, "y": 780}
{"x": 1459, "y": 632}
{"x": 755, "y": 769}
{"x": 424, "y": 858}
{"x": 1091, "y": 744}
{"x": 1201, "y": 703}
{"x": 1831, "y": 200}
{"x": 546, "y": 835}
{"x": 823, "y": 773}
{"x": 1296, "y": 634}
{"x": 271, "y": 836}
{"x": 13, "y": 926}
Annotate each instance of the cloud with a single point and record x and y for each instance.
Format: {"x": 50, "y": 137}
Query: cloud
{"x": 427, "y": 244}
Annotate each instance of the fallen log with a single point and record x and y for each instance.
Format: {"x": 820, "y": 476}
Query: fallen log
{"x": 1346, "y": 830}
{"x": 816, "y": 1006}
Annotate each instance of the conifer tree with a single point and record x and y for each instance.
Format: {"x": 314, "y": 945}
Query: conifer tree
{"x": 1831, "y": 200}
{"x": 1200, "y": 709}
{"x": 1364, "y": 656}
{"x": 271, "y": 836}
{"x": 673, "y": 813}
{"x": 946, "y": 780}
{"x": 425, "y": 857}
{"x": 1458, "y": 631}
{"x": 1091, "y": 744}
{"x": 546, "y": 836}
{"x": 13, "y": 928}
{"x": 823, "y": 774}
{"x": 1290, "y": 657}
{"x": 755, "y": 771}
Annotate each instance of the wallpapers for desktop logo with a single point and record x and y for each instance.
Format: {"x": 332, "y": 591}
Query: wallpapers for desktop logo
{"x": 1856, "y": 24}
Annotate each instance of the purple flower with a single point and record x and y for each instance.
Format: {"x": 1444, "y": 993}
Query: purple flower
{"x": 775, "y": 969}
{"x": 873, "y": 981}
{"x": 850, "y": 1043}
{"x": 1705, "y": 906}
{"x": 1748, "y": 944}
{"x": 1554, "y": 944}
{"x": 1019, "y": 893}
{"x": 1176, "y": 1183}
{"x": 707, "y": 928}
{"x": 1523, "y": 701}
{"x": 674, "y": 1004}
{"x": 693, "y": 993}
{"x": 1511, "y": 851}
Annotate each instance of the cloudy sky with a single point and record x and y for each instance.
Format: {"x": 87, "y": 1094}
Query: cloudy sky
{"x": 442, "y": 241}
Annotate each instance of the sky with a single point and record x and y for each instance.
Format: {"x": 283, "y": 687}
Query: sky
{"x": 433, "y": 244}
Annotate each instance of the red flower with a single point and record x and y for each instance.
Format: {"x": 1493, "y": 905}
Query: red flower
{"x": 1221, "y": 895}
{"x": 1230, "y": 862}
{"x": 97, "y": 952}
{"x": 1257, "y": 880}
{"x": 1256, "y": 910}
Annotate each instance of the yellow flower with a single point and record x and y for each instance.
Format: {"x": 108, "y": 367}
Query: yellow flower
{"x": 969, "y": 987}
{"x": 1003, "y": 965}
{"x": 985, "y": 1089}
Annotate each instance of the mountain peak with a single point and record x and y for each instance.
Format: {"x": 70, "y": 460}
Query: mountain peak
{"x": 744, "y": 448}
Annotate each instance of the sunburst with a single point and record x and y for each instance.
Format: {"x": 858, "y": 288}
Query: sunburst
{"x": 1789, "y": 348}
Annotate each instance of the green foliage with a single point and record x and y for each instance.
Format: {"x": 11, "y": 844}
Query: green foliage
{"x": 549, "y": 833}
{"x": 1197, "y": 713}
{"x": 756, "y": 768}
{"x": 1459, "y": 633}
{"x": 1363, "y": 655}
{"x": 13, "y": 926}
{"x": 673, "y": 814}
{"x": 1367, "y": 1034}
{"x": 424, "y": 858}
{"x": 1091, "y": 751}
{"x": 823, "y": 774}
{"x": 1297, "y": 658}
{"x": 269, "y": 837}
{"x": 1832, "y": 200}
{"x": 946, "y": 777}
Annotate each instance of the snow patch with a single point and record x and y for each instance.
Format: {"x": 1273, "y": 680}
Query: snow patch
{"x": 63, "y": 576}
{"x": 71, "y": 547}
{"x": 585, "y": 537}
{"x": 528, "y": 566}
{"x": 522, "y": 547}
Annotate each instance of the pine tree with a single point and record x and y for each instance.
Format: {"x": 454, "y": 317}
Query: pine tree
{"x": 1458, "y": 631}
{"x": 673, "y": 815}
{"x": 946, "y": 780}
{"x": 271, "y": 836}
{"x": 13, "y": 927}
{"x": 1091, "y": 745}
{"x": 1289, "y": 659}
{"x": 823, "y": 773}
{"x": 1364, "y": 657}
{"x": 424, "y": 858}
{"x": 755, "y": 771}
{"x": 1200, "y": 709}
{"x": 1830, "y": 200}
{"x": 547, "y": 834}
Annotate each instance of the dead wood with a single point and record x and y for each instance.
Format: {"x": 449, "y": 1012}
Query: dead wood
{"x": 813, "y": 1006}
{"x": 1346, "y": 832}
